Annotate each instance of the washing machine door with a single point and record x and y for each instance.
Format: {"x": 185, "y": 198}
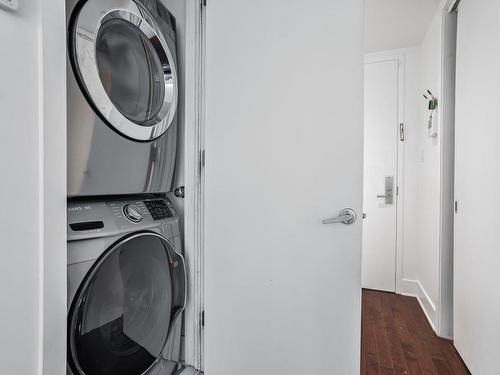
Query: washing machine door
{"x": 122, "y": 316}
{"x": 125, "y": 67}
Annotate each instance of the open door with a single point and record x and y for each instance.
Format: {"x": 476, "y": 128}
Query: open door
{"x": 284, "y": 152}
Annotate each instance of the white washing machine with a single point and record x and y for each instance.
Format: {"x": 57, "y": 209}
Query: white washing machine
{"x": 126, "y": 288}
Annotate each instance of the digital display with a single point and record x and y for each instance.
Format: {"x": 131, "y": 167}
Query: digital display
{"x": 158, "y": 209}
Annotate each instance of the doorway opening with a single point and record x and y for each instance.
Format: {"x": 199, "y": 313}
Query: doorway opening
{"x": 410, "y": 53}
{"x": 409, "y": 130}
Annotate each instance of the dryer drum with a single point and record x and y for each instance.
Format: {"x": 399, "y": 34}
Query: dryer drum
{"x": 122, "y": 314}
{"x": 125, "y": 67}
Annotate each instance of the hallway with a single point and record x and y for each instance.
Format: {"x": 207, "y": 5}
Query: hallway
{"x": 397, "y": 339}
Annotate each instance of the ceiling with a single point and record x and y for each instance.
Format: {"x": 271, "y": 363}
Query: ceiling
{"x": 391, "y": 24}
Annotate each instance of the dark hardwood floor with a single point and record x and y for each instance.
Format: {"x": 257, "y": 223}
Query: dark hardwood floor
{"x": 397, "y": 339}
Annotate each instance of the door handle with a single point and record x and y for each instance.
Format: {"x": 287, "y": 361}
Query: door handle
{"x": 346, "y": 216}
{"x": 383, "y": 196}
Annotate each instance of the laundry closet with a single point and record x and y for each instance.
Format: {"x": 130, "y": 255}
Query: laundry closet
{"x": 127, "y": 270}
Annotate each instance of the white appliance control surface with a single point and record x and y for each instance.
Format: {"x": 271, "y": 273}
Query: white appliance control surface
{"x": 9, "y": 4}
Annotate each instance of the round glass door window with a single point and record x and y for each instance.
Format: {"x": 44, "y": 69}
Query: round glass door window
{"x": 126, "y": 67}
{"x": 120, "y": 318}
{"x": 130, "y": 70}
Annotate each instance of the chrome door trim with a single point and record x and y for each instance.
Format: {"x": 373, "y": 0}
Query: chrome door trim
{"x": 91, "y": 17}
{"x": 75, "y": 304}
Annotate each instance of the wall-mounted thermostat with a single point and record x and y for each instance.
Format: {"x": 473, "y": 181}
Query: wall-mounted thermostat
{"x": 9, "y": 4}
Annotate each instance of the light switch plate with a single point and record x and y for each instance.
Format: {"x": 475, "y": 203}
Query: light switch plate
{"x": 9, "y": 4}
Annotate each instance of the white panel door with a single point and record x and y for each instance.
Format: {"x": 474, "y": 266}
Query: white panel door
{"x": 284, "y": 150}
{"x": 477, "y": 186}
{"x": 380, "y": 175}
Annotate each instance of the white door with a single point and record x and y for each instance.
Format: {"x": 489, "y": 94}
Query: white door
{"x": 477, "y": 187}
{"x": 380, "y": 175}
{"x": 284, "y": 149}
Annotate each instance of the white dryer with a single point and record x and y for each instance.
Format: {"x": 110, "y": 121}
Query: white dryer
{"x": 126, "y": 288}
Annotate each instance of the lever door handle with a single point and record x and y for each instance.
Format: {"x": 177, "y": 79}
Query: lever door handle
{"x": 386, "y": 196}
{"x": 346, "y": 216}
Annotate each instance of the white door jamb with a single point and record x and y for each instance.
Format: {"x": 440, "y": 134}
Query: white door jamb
{"x": 194, "y": 182}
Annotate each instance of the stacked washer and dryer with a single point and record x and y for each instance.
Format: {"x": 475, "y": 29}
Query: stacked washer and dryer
{"x": 126, "y": 271}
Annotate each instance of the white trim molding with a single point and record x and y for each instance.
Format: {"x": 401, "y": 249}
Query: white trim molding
{"x": 194, "y": 184}
{"x": 413, "y": 288}
{"x": 52, "y": 165}
{"x": 447, "y": 173}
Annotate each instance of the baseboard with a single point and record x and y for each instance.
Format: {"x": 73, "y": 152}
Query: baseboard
{"x": 414, "y": 288}
{"x": 447, "y": 337}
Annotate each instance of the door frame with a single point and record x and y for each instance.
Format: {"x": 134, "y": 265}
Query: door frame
{"x": 447, "y": 174}
{"x": 194, "y": 154}
{"x": 400, "y": 58}
{"x": 51, "y": 221}
{"x": 52, "y": 196}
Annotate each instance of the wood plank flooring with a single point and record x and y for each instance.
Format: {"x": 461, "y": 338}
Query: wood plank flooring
{"x": 396, "y": 339}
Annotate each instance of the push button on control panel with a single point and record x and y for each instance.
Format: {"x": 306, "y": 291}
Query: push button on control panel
{"x": 132, "y": 212}
{"x": 158, "y": 209}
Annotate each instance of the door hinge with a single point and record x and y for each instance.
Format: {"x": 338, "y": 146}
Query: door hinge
{"x": 456, "y": 207}
{"x": 202, "y": 159}
{"x": 397, "y": 190}
{"x": 203, "y": 318}
{"x": 401, "y": 132}
{"x": 204, "y": 2}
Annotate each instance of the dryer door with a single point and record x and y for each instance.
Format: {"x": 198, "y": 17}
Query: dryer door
{"x": 125, "y": 67}
{"x": 122, "y": 315}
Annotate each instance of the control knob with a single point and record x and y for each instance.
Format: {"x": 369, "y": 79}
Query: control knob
{"x": 132, "y": 212}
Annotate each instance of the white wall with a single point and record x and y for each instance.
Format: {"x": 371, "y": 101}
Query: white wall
{"x": 20, "y": 191}
{"x": 32, "y": 163}
{"x": 429, "y": 174}
{"x": 411, "y": 156}
{"x": 477, "y": 234}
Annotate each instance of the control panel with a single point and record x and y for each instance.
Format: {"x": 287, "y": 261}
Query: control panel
{"x": 158, "y": 209}
{"x": 88, "y": 219}
{"x": 131, "y": 211}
